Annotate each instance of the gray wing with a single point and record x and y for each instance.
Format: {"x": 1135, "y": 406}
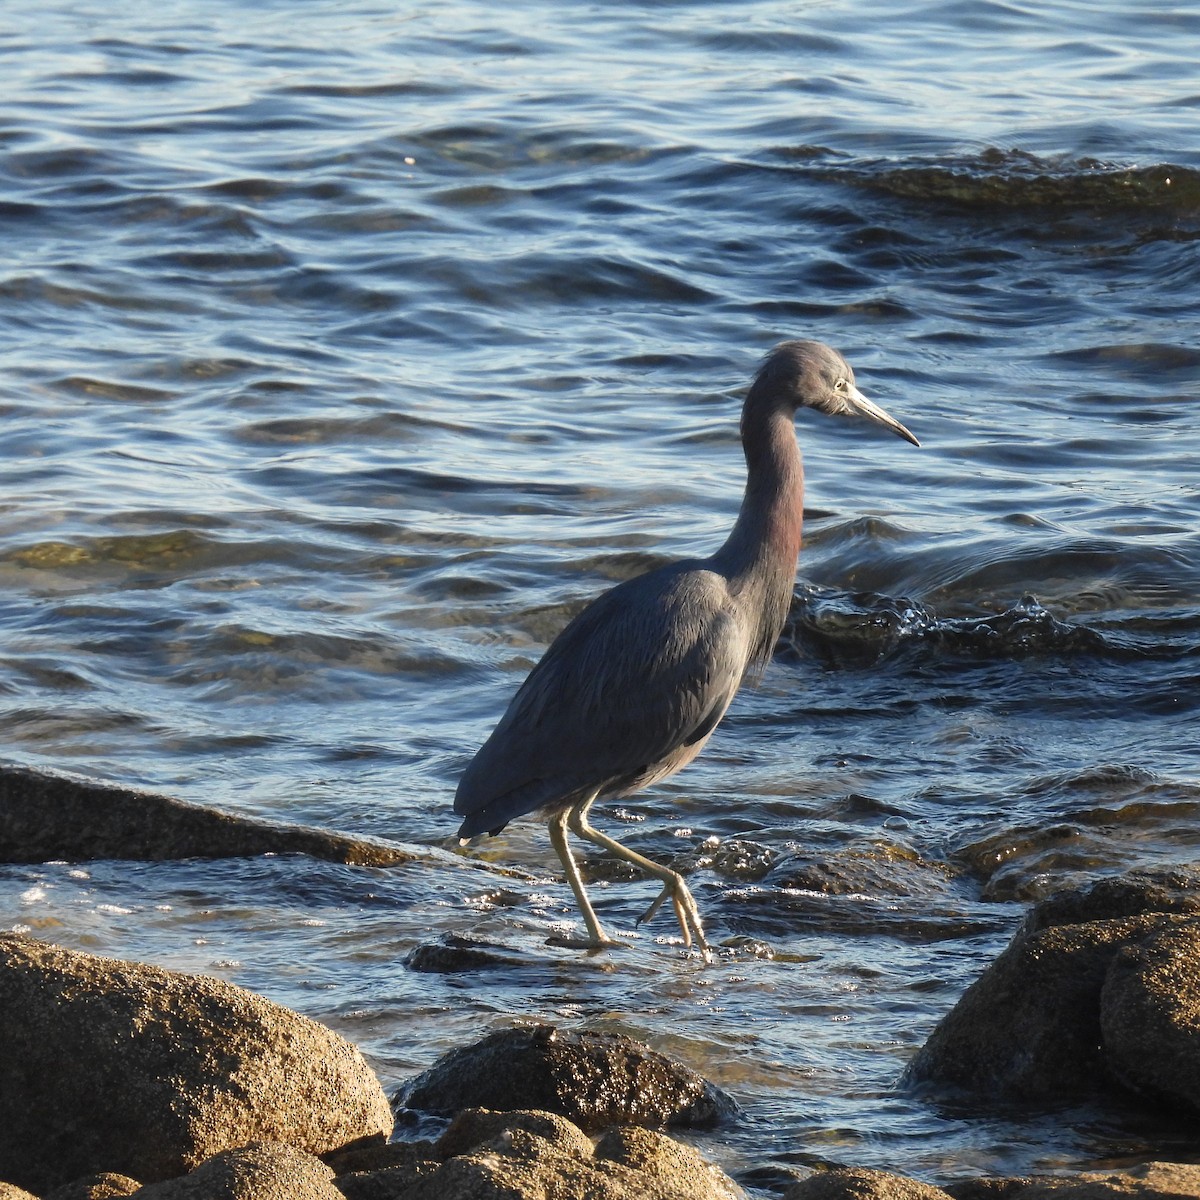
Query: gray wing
{"x": 628, "y": 692}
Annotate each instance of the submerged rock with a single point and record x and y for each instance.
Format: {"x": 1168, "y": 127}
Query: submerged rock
{"x": 46, "y": 816}
{"x": 455, "y": 953}
{"x": 594, "y": 1079}
{"x": 884, "y": 869}
{"x": 121, "y": 1067}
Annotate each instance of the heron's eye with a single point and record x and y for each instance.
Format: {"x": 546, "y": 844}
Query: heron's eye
{"x": 841, "y": 385}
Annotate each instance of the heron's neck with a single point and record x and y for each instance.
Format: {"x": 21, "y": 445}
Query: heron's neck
{"x": 759, "y": 556}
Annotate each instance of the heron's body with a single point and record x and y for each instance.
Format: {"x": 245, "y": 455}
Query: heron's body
{"x": 632, "y": 689}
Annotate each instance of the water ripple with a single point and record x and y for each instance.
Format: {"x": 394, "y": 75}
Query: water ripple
{"x": 347, "y": 355}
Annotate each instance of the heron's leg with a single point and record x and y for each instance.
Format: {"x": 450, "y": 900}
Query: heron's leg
{"x": 673, "y": 884}
{"x": 558, "y": 839}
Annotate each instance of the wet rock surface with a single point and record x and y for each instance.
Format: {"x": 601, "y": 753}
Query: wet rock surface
{"x": 594, "y": 1079}
{"x": 849, "y": 890}
{"x": 122, "y": 1067}
{"x": 46, "y": 816}
{"x": 1029, "y": 1027}
{"x": 1130, "y": 895}
{"x": 456, "y": 953}
{"x": 1099, "y": 988}
{"x": 1150, "y": 1016}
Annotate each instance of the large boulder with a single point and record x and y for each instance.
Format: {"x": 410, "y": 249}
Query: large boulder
{"x": 121, "y": 1067}
{"x": 537, "y": 1156}
{"x": 48, "y": 816}
{"x": 1029, "y": 1027}
{"x": 1165, "y": 890}
{"x": 1150, "y": 1016}
{"x": 1099, "y": 989}
{"x": 594, "y": 1079}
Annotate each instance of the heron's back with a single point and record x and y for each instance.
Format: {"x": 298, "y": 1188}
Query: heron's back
{"x": 627, "y": 694}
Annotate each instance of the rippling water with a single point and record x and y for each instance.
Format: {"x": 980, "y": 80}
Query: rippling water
{"x": 346, "y": 351}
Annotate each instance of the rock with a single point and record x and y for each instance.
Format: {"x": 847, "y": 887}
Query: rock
{"x": 1147, "y": 1181}
{"x": 378, "y": 1157}
{"x": 593, "y": 1079}
{"x": 736, "y": 858}
{"x": 1029, "y": 1027}
{"x": 105, "y": 1186}
{"x": 1100, "y": 987}
{"x": 262, "y": 1171}
{"x": 385, "y": 1183}
{"x": 664, "y": 1167}
{"x": 479, "y": 1127}
{"x": 862, "y": 1183}
{"x": 1150, "y": 1181}
{"x": 983, "y": 1187}
{"x": 1017, "y": 863}
{"x": 523, "y": 1172}
{"x": 9, "y": 1191}
{"x": 849, "y": 891}
{"x": 884, "y": 869}
{"x": 46, "y": 816}
{"x": 1131, "y": 895}
{"x": 537, "y": 1156}
{"x": 117, "y": 1066}
{"x": 1150, "y": 1016}
{"x": 456, "y": 952}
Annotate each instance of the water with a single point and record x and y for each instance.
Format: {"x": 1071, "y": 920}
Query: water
{"x": 345, "y": 351}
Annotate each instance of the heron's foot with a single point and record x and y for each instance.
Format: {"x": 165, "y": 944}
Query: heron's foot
{"x": 579, "y": 941}
{"x": 686, "y": 912}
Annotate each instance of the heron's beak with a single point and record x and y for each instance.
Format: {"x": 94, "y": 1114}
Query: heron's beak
{"x": 859, "y": 406}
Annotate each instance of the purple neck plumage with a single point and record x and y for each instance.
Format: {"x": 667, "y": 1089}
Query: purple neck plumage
{"x": 759, "y": 556}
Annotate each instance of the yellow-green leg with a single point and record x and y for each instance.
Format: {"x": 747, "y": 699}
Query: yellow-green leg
{"x": 558, "y": 839}
{"x": 673, "y": 883}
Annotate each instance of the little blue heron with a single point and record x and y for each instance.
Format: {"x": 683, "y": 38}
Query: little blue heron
{"x": 633, "y": 687}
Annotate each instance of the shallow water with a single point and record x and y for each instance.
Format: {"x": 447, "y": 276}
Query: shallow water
{"x": 346, "y": 353}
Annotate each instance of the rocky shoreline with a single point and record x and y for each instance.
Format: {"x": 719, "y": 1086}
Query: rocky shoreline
{"x": 125, "y": 1079}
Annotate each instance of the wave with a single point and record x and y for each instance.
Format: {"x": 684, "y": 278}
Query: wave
{"x": 853, "y": 630}
{"x": 1014, "y": 180}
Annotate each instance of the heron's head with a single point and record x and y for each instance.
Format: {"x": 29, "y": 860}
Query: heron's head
{"x": 813, "y": 375}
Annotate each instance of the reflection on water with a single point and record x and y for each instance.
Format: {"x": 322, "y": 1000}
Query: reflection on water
{"x": 346, "y": 356}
